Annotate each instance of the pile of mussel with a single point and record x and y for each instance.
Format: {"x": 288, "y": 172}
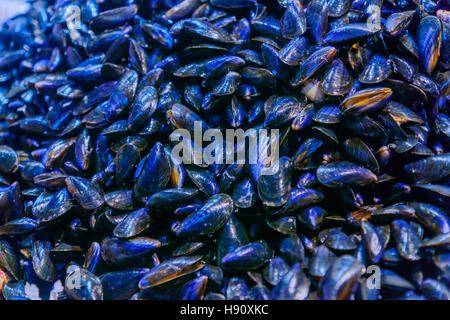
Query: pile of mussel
{"x": 94, "y": 205}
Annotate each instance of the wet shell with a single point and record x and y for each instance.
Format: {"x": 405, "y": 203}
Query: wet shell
{"x": 87, "y": 194}
{"x": 208, "y": 219}
{"x": 377, "y": 69}
{"x": 112, "y": 184}
{"x": 293, "y": 22}
{"x": 429, "y": 40}
{"x": 338, "y": 174}
{"x": 337, "y": 8}
{"x": 336, "y": 81}
{"x": 341, "y": 278}
{"x": 367, "y": 100}
{"x": 170, "y": 270}
{"x": 313, "y": 63}
{"x": 398, "y": 22}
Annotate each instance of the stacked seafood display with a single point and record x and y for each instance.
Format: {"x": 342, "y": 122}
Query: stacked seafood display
{"x": 94, "y": 204}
